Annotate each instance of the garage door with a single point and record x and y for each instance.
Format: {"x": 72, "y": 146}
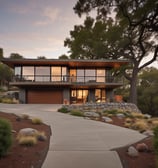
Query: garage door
{"x": 45, "y": 97}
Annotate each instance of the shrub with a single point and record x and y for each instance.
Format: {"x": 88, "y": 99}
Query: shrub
{"x": 112, "y": 112}
{"x": 27, "y": 140}
{"x": 154, "y": 123}
{"x": 36, "y": 121}
{"x": 5, "y": 137}
{"x": 63, "y": 110}
{"x": 137, "y": 115}
{"x": 128, "y": 120}
{"x": 155, "y": 144}
{"x": 77, "y": 113}
{"x": 140, "y": 125}
{"x": 25, "y": 116}
{"x": 41, "y": 136}
{"x": 7, "y": 100}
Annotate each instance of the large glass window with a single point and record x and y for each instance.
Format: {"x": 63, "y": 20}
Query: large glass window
{"x": 100, "y": 95}
{"x": 80, "y": 75}
{"x": 100, "y": 75}
{"x": 42, "y": 74}
{"x": 28, "y": 73}
{"x": 72, "y": 75}
{"x": 79, "y": 96}
{"x": 90, "y": 75}
{"x": 56, "y": 73}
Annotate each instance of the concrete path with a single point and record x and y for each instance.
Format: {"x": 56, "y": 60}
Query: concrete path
{"x": 77, "y": 142}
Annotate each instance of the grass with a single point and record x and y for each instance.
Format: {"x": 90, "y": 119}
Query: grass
{"x": 27, "y": 140}
{"x": 77, "y": 113}
{"x": 37, "y": 121}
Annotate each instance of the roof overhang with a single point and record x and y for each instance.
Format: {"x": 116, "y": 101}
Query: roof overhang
{"x": 67, "y": 62}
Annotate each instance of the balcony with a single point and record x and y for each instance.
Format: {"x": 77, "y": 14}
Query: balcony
{"x": 89, "y": 81}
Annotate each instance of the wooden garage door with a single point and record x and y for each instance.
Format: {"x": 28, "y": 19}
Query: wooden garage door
{"x": 45, "y": 97}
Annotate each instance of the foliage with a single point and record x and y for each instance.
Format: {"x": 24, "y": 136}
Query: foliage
{"x": 7, "y": 100}
{"x": 63, "y": 110}
{"x": 25, "y": 116}
{"x": 37, "y": 121}
{"x": 27, "y": 140}
{"x": 148, "y": 91}
{"x": 16, "y": 56}
{"x": 63, "y": 57}
{"x": 77, "y": 113}
{"x": 41, "y": 136}
{"x": 6, "y": 74}
{"x": 140, "y": 125}
{"x": 127, "y": 29}
{"x": 1, "y": 53}
{"x": 5, "y": 137}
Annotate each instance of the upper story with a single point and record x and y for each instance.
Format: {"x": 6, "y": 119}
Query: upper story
{"x": 65, "y": 72}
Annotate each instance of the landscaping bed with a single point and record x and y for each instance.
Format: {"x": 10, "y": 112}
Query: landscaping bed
{"x": 132, "y": 119}
{"x": 22, "y": 156}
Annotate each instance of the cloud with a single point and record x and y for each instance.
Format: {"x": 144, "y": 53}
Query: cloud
{"x": 51, "y": 13}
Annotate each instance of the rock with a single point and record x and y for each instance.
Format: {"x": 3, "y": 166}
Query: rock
{"x": 147, "y": 116}
{"x": 13, "y": 131}
{"x": 132, "y": 151}
{"x": 27, "y": 132}
{"x": 120, "y": 115}
{"x": 142, "y": 147}
{"x": 91, "y": 114}
{"x": 107, "y": 119}
{"x": 148, "y": 133}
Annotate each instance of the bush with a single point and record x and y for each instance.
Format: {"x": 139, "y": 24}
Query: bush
{"x": 36, "y": 121}
{"x": 27, "y": 140}
{"x": 7, "y": 101}
{"x": 41, "y": 136}
{"x": 140, "y": 125}
{"x": 77, "y": 113}
{"x": 5, "y": 137}
{"x": 63, "y": 110}
{"x": 25, "y": 116}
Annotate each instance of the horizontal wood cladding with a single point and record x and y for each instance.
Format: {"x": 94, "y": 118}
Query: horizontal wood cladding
{"x": 44, "y": 97}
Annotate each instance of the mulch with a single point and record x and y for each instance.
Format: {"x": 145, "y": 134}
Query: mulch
{"x": 24, "y": 156}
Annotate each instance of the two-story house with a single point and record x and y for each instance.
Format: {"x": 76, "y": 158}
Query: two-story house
{"x": 55, "y": 81}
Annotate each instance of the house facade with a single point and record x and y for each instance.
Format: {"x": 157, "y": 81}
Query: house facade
{"x": 55, "y": 81}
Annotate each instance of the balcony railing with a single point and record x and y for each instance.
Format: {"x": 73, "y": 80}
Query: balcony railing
{"x": 68, "y": 79}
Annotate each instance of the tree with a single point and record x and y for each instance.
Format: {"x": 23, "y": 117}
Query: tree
{"x": 6, "y": 75}
{"x": 41, "y": 57}
{"x": 131, "y": 34}
{"x": 63, "y": 57}
{"x": 16, "y": 56}
{"x": 148, "y": 91}
{"x": 1, "y": 52}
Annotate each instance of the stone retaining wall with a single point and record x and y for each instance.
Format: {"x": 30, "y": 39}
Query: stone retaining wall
{"x": 96, "y": 107}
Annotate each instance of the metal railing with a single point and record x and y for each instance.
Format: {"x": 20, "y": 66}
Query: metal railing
{"x": 68, "y": 79}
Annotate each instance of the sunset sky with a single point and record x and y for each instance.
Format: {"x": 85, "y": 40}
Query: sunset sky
{"x": 36, "y": 27}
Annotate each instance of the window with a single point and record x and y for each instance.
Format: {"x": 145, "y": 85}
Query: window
{"x": 42, "y": 74}
{"x": 100, "y": 75}
{"x": 56, "y": 73}
{"x": 100, "y": 95}
{"x": 90, "y": 75}
{"x": 28, "y": 73}
{"x": 80, "y": 75}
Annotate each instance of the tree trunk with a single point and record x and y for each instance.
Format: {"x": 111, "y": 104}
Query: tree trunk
{"x": 133, "y": 87}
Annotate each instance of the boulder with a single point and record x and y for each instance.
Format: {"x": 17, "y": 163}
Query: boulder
{"x": 120, "y": 115}
{"x": 132, "y": 151}
{"x": 107, "y": 119}
{"x": 91, "y": 114}
{"x": 27, "y": 132}
{"x": 148, "y": 133}
{"x": 142, "y": 147}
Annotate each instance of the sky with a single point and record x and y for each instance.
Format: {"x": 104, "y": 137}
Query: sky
{"x": 35, "y": 28}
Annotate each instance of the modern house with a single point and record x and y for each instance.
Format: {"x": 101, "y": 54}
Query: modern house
{"x": 55, "y": 81}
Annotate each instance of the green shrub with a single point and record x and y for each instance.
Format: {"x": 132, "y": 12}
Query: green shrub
{"x": 63, "y": 110}
{"x": 5, "y": 137}
{"x": 112, "y": 112}
{"x": 36, "y": 121}
{"x": 77, "y": 113}
{"x": 27, "y": 140}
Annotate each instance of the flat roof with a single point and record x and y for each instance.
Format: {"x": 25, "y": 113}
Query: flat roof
{"x": 65, "y": 62}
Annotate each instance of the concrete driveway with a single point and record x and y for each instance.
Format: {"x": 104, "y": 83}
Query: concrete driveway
{"x": 77, "y": 142}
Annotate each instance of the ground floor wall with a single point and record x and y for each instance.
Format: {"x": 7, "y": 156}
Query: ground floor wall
{"x": 64, "y": 95}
